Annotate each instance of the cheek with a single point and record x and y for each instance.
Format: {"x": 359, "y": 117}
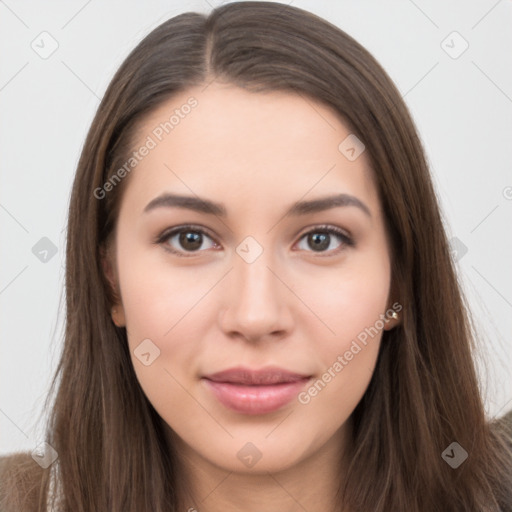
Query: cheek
{"x": 351, "y": 305}
{"x": 167, "y": 310}
{"x": 160, "y": 304}
{"x": 157, "y": 296}
{"x": 164, "y": 309}
{"x": 347, "y": 358}
{"x": 350, "y": 299}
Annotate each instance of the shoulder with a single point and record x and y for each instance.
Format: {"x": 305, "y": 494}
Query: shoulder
{"x": 501, "y": 431}
{"x": 20, "y": 478}
{"x": 503, "y": 426}
{"x": 508, "y": 418}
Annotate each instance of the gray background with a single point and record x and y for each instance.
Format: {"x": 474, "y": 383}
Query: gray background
{"x": 462, "y": 105}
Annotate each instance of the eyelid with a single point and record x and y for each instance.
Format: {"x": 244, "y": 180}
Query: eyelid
{"x": 344, "y": 235}
{"x": 168, "y": 233}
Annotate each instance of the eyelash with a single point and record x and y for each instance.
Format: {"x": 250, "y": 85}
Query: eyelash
{"x": 163, "y": 237}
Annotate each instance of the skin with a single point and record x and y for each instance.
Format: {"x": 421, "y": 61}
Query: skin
{"x": 294, "y": 307}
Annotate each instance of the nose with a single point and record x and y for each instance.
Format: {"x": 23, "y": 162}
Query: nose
{"x": 257, "y": 304}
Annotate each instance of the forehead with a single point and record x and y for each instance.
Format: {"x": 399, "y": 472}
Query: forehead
{"x": 224, "y": 114}
{"x": 220, "y": 138}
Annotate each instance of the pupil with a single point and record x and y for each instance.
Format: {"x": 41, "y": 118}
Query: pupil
{"x": 320, "y": 241}
{"x": 190, "y": 240}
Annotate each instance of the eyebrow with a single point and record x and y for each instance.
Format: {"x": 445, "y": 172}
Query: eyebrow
{"x": 202, "y": 205}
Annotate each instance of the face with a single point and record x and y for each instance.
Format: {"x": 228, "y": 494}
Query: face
{"x": 251, "y": 282}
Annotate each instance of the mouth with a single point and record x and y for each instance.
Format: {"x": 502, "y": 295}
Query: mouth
{"x": 254, "y": 392}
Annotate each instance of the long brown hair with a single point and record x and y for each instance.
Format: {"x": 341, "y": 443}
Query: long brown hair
{"x": 424, "y": 394}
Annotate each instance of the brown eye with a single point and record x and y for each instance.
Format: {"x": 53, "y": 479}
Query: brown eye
{"x": 319, "y": 241}
{"x": 190, "y": 241}
{"x": 186, "y": 240}
{"x": 323, "y": 240}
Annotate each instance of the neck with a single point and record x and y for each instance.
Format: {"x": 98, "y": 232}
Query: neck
{"x": 311, "y": 484}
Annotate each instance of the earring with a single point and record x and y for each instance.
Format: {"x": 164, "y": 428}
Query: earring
{"x": 394, "y": 315}
{"x": 114, "y": 312}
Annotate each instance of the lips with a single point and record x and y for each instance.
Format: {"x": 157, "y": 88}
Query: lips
{"x": 265, "y": 376}
{"x": 255, "y": 392}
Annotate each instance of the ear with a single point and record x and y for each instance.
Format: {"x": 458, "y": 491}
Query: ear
{"x": 109, "y": 269}
{"x": 393, "y": 316}
{"x": 394, "y": 309}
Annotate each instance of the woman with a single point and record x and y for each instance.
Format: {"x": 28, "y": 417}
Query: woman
{"x": 262, "y": 312}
